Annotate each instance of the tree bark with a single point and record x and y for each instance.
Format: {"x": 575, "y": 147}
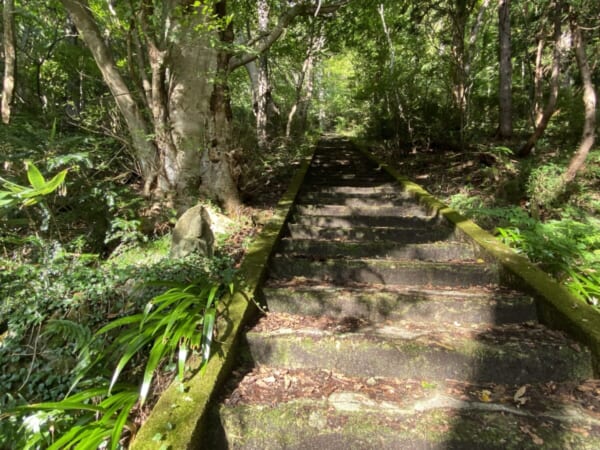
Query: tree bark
{"x": 10, "y": 59}
{"x": 180, "y": 125}
{"x": 217, "y": 168}
{"x": 262, "y": 80}
{"x": 550, "y": 108}
{"x": 138, "y": 128}
{"x": 589, "y": 102}
{"x": 538, "y": 95}
{"x": 304, "y": 87}
{"x": 505, "y": 90}
{"x": 392, "y": 68}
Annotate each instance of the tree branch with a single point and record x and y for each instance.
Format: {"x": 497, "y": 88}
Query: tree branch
{"x": 266, "y": 41}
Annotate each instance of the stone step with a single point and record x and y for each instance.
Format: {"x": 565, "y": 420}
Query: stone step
{"x": 346, "y": 172}
{"x": 396, "y": 235}
{"x": 357, "y": 182}
{"x": 358, "y": 202}
{"x": 405, "y": 272}
{"x": 512, "y": 353}
{"x": 465, "y": 306}
{"x": 274, "y": 409}
{"x": 410, "y": 209}
{"x": 328, "y": 198}
{"x": 422, "y": 247}
{"x": 384, "y": 188}
{"x": 366, "y": 221}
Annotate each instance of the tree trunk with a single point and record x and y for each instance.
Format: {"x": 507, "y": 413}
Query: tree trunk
{"x": 462, "y": 53}
{"x": 589, "y": 102}
{"x": 392, "y": 67}
{"x": 538, "y": 95}
{"x": 304, "y": 87}
{"x": 10, "y": 58}
{"x": 217, "y": 168}
{"x": 180, "y": 125}
{"x": 548, "y": 112}
{"x": 505, "y": 90}
{"x": 262, "y": 81}
{"x": 144, "y": 148}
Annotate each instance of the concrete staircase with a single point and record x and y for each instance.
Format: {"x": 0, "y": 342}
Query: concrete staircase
{"x": 385, "y": 331}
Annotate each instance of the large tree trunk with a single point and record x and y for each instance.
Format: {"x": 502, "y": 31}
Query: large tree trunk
{"x": 10, "y": 58}
{"x": 187, "y": 153}
{"x": 505, "y": 90}
{"x": 180, "y": 122}
{"x": 548, "y": 111}
{"x": 217, "y": 168}
{"x": 589, "y": 101}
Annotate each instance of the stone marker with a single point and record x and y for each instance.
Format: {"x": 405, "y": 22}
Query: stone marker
{"x": 193, "y": 234}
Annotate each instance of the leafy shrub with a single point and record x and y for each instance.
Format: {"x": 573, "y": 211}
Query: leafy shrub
{"x": 77, "y": 288}
{"x": 171, "y": 326}
{"x": 545, "y": 184}
{"x": 567, "y": 248}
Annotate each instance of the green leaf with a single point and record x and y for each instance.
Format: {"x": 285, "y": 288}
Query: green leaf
{"x": 53, "y": 184}
{"x": 181, "y": 359}
{"x": 207, "y": 334}
{"x": 120, "y": 421}
{"x": 156, "y": 354}
{"x": 35, "y": 177}
{"x": 130, "y": 352}
{"x": 67, "y": 404}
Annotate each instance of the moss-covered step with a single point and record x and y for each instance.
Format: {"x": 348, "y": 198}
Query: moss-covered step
{"x": 383, "y": 188}
{"x": 358, "y": 202}
{"x": 377, "y": 305}
{"x": 350, "y": 170}
{"x": 411, "y": 209}
{"x": 339, "y": 247}
{"x": 332, "y": 424}
{"x": 368, "y": 221}
{"x": 271, "y": 408}
{"x": 413, "y": 273}
{"x": 329, "y": 198}
{"x": 325, "y": 182}
{"x": 399, "y": 235}
{"x": 512, "y": 354}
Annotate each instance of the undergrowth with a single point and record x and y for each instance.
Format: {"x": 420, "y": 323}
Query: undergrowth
{"x": 85, "y": 338}
{"x": 555, "y": 228}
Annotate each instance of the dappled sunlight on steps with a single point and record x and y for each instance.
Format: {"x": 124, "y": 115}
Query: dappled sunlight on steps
{"x": 386, "y": 330}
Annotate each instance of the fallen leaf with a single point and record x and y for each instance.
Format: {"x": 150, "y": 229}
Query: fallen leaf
{"x": 534, "y": 437}
{"x": 518, "y": 398}
{"x": 581, "y": 431}
{"x": 485, "y": 396}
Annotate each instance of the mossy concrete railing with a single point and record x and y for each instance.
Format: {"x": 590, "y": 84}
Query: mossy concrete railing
{"x": 556, "y": 306}
{"x": 176, "y": 421}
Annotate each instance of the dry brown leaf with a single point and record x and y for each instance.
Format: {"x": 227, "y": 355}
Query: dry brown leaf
{"x": 519, "y": 396}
